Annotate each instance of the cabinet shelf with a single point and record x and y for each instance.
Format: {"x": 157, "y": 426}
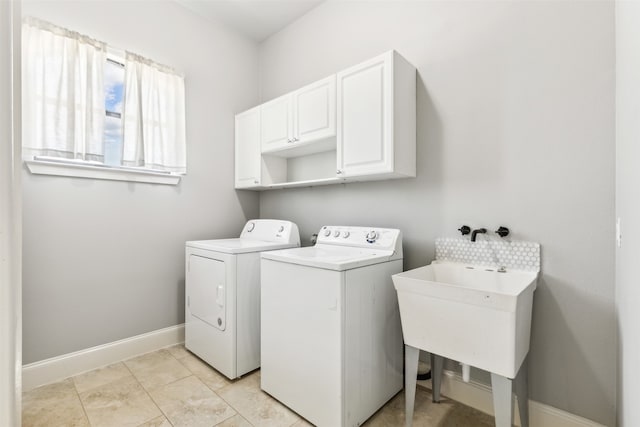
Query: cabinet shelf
{"x": 305, "y": 183}
{"x": 297, "y": 149}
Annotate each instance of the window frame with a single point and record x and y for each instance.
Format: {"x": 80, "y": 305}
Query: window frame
{"x": 78, "y": 168}
{"x": 43, "y": 165}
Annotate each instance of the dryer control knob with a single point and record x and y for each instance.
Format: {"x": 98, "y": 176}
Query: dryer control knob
{"x": 336, "y": 233}
{"x": 251, "y": 226}
{"x": 372, "y": 236}
{"x": 281, "y": 229}
{"x": 327, "y": 233}
{"x": 345, "y": 234}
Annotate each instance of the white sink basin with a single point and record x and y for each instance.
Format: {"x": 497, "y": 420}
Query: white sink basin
{"x": 478, "y": 317}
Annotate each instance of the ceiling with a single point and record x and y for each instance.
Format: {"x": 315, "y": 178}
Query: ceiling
{"x": 257, "y": 19}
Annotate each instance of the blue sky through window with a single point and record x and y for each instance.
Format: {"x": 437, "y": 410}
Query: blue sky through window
{"x": 113, "y": 89}
{"x": 113, "y": 99}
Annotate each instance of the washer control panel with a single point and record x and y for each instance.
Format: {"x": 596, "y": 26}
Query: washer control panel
{"x": 365, "y": 237}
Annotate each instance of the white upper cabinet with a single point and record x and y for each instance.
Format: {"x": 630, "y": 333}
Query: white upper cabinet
{"x": 276, "y": 129}
{"x": 247, "y": 156}
{"x": 377, "y": 119}
{"x": 357, "y": 125}
{"x": 314, "y": 109}
{"x": 301, "y": 122}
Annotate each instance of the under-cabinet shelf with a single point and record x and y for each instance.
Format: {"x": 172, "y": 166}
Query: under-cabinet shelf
{"x": 298, "y": 149}
{"x": 306, "y": 183}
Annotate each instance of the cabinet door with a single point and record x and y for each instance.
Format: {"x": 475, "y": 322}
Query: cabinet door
{"x": 314, "y": 108}
{"x": 276, "y": 124}
{"x": 365, "y": 118}
{"x": 247, "y": 161}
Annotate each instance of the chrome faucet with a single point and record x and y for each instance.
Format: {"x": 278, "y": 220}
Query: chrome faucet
{"x": 475, "y": 232}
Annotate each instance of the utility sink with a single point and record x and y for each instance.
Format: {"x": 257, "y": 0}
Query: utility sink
{"x": 477, "y": 315}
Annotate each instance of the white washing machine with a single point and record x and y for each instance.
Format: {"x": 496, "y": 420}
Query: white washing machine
{"x": 331, "y": 334}
{"x": 222, "y": 296}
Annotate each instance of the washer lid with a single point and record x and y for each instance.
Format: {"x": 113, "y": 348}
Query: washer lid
{"x": 238, "y": 245}
{"x": 331, "y": 257}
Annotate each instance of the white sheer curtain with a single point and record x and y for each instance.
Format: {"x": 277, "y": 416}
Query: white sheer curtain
{"x": 63, "y": 92}
{"x": 154, "y": 116}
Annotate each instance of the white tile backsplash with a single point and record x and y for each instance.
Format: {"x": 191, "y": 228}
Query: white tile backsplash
{"x": 517, "y": 255}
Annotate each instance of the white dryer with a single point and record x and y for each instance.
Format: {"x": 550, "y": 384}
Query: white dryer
{"x": 222, "y": 296}
{"x": 331, "y": 334}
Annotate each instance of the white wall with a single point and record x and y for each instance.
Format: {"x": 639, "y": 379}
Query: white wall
{"x": 104, "y": 260}
{"x": 628, "y": 209}
{"x": 515, "y": 127}
{"x": 10, "y": 222}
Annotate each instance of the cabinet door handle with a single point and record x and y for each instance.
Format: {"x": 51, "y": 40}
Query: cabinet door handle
{"x": 289, "y": 140}
{"x": 255, "y": 181}
{"x": 338, "y": 172}
{"x": 295, "y": 139}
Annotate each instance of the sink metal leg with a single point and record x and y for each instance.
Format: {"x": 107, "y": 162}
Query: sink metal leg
{"x": 522, "y": 392}
{"x": 436, "y": 376}
{"x": 411, "y": 355}
{"x": 502, "y": 400}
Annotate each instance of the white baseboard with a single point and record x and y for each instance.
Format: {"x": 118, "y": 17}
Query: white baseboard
{"x": 479, "y": 396}
{"x": 68, "y": 365}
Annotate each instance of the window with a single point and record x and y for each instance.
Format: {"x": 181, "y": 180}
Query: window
{"x": 89, "y": 107}
{"x": 113, "y": 98}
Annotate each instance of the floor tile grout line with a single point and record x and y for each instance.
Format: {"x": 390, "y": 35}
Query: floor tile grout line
{"x": 176, "y": 380}
{"x": 196, "y": 377}
{"x": 229, "y": 403}
{"x": 229, "y": 381}
{"x": 166, "y": 416}
{"x": 180, "y": 359}
{"x": 133, "y": 374}
{"x": 160, "y": 385}
{"x": 175, "y": 345}
{"x": 185, "y": 366}
{"x": 215, "y": 391}
{"x": 238, "y": 414}
{"x": 225, "y": 401}
{"x": 193, "y": 374}
{"x": 84, "y": 410}
{"x": 147, "y": 393}
{"x": 254, "y": 372}
{"x": 100, "y": 385}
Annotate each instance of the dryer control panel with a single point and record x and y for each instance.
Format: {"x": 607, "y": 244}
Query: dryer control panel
{"x": 271, "y": 230}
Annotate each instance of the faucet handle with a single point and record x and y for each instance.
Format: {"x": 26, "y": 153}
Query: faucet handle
{"x": 464, "y": 230}
{"x": 502, "y": 231}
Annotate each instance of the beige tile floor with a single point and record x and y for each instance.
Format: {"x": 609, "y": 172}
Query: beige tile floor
{"x": 172, "y": 387}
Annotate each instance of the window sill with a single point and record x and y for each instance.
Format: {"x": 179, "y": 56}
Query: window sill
{"x": 43, "y": 167}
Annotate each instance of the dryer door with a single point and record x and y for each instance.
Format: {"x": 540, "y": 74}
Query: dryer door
{"x": 208, "y": 289}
